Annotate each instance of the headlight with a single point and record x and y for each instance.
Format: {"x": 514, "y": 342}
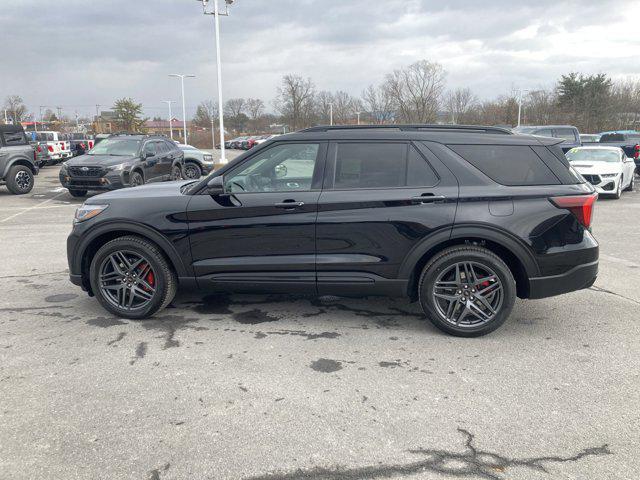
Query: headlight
{"x": 63, "y": 169}
{"x": 609, "y": 175}
{"x": 207, "y": 158}
{"x": 118, "y": 168}
{"x": 85, "y": 212}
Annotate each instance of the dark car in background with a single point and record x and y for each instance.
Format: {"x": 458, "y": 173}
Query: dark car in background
{"x": 461, "y": 219}
{"x": 569, "y": 134}
{"x": 122, "y": 160}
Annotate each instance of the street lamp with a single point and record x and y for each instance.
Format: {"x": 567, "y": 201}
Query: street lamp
{"x": 184, "y": 108}
{"x": 520, "y": 104}
{"x": 216, "y": 14}
{"x": 169, "y": 102}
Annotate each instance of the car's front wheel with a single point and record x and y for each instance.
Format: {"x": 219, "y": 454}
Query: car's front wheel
{"x": 136, "y": 179}
{"x": 176, "y": 173}
{"x": 192, "y": 171}
{"x": 20, "y": 180}
{"x": 632, "y": 184}
{"x": 131, "y": 278}
{"x": 618, "y": 193}
{"x": 77, "y": 193}
{"x": 467, "y": 291}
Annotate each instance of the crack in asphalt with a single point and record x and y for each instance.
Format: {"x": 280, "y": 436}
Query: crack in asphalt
{"x": 473, "y": 462}
{"x": 604, "y": 290}
{"x": 34, "y": 275}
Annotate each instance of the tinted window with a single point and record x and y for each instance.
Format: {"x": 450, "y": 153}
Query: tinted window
{"x": 546, "y": 132}
{"x": 612, "y": 137}
{"x": 419, "y": 172}
{"x": 14, "y": 138}
{"x": 162, "y": 147}
{"x": 567, "y": 134}
{"x": 116, "y": 146}
{"x": 507, "y": 164}
{"x": 172, "y": 146}
{"x": 150, "y": 148}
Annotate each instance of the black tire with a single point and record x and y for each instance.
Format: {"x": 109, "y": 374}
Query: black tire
{"x": 20, "y": 180}
{"x": 136, "y": 179}
{"x": 164, "y": 278}
{"x": 176, "y": 173}
{"x": 192, "y": 171}
{"x": 632, "y": 185}
{"x": 77, "y": 193}
{"x": 482, "y": 258}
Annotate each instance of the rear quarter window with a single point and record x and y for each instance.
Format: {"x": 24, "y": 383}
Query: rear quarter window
{"x": 512, "y": 165}
{"x": 14, "y": 138}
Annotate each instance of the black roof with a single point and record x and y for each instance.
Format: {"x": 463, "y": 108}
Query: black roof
{"x": 11, "y": 128}
{"x": 446, "y": 134}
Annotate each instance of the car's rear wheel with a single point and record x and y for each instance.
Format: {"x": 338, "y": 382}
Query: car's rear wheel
{"x": 192, "y": 171}
{"x": 20, "y": 180}
{"x": 131, "y": 278}
{"x": 176, "y": 172}
{"x": 618, "y": 193}
{"x": 136, "y": 179}
{"x": 77, "y": 193}
{"x": 467, "y": 291}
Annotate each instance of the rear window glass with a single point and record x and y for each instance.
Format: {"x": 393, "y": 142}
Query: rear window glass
{"x": 508, "y": 164}
{"x": 566, "y": 134}
{"x": 612, "y": 137}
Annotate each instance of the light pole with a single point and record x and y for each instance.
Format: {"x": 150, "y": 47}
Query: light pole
{"x": 182, "y": 76}
{"x": 216, "y": 14}
{"x": 358, "y": 113}
{"x": 520, "y": 104}
{"x": 331, "y": 114}
{"x": 169, "y": 102}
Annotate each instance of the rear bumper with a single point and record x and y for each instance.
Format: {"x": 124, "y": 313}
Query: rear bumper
{"x": 579, "y": 277}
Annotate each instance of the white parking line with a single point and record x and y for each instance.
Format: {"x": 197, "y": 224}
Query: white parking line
{"x": 30, "y": 208}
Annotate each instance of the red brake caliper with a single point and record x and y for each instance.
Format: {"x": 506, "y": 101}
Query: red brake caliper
{"x": 149, "y": 278}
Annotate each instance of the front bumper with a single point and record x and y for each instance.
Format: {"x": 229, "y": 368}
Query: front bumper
{"x": 110, "y": 181}
{"x": 578, "y": 278}
{"x": 603, "y": 185}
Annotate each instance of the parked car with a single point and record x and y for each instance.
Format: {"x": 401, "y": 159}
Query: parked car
{"x": 628, "y": 140}
{"x": 461, "y": 219}
{"x": 567, "y": 133}
{"x": 17, "y": 160}
{"x": 196, "y": 162}
{"x": 121, "y": 161}
{"x": 589, "y": 138}
{"x": 58, "y": 146}
{"x": 236, "y": 143}
{"x": 43, "y": 156}
{"x": 608, "y": 169}
{"x": 80, "y": 143}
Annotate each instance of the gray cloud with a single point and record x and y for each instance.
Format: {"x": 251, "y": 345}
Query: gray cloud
{"x": 76, "y": 53}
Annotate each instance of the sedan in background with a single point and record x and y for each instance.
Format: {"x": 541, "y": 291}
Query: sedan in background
{"x": 608, "y": 169}
{"x": 196, "y": 162}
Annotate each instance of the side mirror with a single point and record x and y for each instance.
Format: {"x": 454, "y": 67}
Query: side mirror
{"x": 144, "y": 155}
{"x": 215, "y": 186}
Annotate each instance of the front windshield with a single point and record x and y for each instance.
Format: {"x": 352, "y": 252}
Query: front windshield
{"x": 116, "y": 146}
{"x": 592, "y": 155}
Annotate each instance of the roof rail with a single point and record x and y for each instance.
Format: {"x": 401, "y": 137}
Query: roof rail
{"x": 413, "y": 128}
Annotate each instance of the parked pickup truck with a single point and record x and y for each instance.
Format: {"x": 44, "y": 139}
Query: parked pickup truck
{"x": 628, "y": 140}
{"x": 80, "y": 143}
{"x": 59, "y": 148}
{"x": 17, "y": 160}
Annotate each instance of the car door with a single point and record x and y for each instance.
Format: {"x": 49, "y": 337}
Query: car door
{"x": 260, "y": 234}
{"x": 150, "y": 161}
{"x": 380, "y": 200}
{"x": 164, "y": 159}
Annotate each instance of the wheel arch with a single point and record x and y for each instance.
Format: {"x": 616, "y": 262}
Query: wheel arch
{"x": 92, "y": 242}
{"x": 511, "y": 250}
{"x": 19, "y": 161}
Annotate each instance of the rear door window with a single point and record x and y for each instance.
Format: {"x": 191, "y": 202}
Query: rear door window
{"x": 14, "y": 138}
{"x": 380, "y": 165}
{"x": 567, "y": 134}
{"x": 511, "y": 165}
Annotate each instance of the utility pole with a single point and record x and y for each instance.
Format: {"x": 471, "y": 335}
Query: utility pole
{"x": 182, "y": 76}
{"x": 216, "y": 14}
{"x": 98, "y": 119}
{"x": 169, "y": 102}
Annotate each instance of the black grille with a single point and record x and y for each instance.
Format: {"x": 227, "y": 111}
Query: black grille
{"x": 592, "y": 179}
{"x": 86, "y": 171}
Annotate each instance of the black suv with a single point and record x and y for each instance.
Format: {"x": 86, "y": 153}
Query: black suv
{"x": 123, "y": 160}
{"x": 462, "y": 219}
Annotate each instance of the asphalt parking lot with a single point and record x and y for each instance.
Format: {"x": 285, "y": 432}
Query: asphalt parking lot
{"x": 279, "y": 387}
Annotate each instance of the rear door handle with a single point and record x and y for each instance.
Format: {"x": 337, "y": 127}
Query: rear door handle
{"x": 289, "y": 204}
{"x": 428, "y": 199}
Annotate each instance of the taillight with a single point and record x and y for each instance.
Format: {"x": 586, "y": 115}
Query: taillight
{"x": 636, "y": 151}
{"x": 580, "y": 205}
{"x": 39, "y": 148}
{"x": 50, "y": 148}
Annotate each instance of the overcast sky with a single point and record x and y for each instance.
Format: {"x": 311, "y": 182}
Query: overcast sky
{"x": 78, "y": 53}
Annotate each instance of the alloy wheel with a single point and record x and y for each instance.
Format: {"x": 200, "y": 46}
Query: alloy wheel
{"x": 23, "y": 180}
{"x": 468, "y": 294}
{"x": 127, "y": 280}
{"x": 191, "y": 172}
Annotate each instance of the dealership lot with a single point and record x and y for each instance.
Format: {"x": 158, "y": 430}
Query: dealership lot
{"x": 279, "y": 387}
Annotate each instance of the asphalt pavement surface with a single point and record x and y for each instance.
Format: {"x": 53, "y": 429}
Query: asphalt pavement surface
{"x": 284, "y": 387}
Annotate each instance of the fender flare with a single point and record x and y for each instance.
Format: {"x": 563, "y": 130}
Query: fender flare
{"x": 484, "y": 232}
{"x": 23, "y": 161}
{"x": 135, "y": 229}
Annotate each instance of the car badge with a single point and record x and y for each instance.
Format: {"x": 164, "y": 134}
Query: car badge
{"x": 85, "y": 169}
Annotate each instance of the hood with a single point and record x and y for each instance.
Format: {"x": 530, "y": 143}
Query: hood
{"x": 596, "y": 168}
{"x": 149, "y": 191}
{"x": 99, "y": 160}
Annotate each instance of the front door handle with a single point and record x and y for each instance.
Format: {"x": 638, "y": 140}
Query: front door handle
{"x": 428, "y": 199}
{"x": 289, "y": 204}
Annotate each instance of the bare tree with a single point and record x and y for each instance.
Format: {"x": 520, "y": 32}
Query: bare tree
{"x": 323, "y": 104}
{"x": 416, "y": 91}
{"x": 234, "y": 107}
{"x": 206, "y": 113}
{"x": 460, "y": 103}
{"x": 539, "y": 107}
{"x": 345, "y": 108}
{"x": 295, "y": 100}
{"x": 16, "y": 109}
{"x": 254, "y": 108}
{"x": 378, "y": 104}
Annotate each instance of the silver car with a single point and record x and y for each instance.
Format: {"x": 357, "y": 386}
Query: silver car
{"x": 196, "y": 162}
